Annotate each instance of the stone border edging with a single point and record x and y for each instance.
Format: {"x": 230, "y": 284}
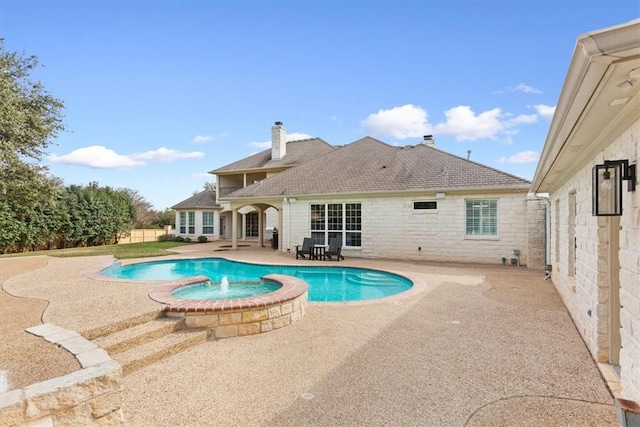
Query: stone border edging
{"x": 89, "y": 396}
{"x": 291, "y": 288}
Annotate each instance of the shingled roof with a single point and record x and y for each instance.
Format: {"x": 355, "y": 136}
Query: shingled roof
{"x": 203, "y": 200}
{"x": 369, "y": 166}
{"x": 298, "y": 152}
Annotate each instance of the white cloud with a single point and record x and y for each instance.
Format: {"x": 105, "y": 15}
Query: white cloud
{"x": 407, "y": 121}
{"x": 95, "y": 156}
{"x": 262, "y": 145}
{"x": 165, "y": 155}
{"x": 522, "y": 119}
{"x": 526, "y": 89}
{"x": 545, "y": 111}
{"x": 467, "y": 126}
{"x": 201, "y": 139}
{"x": 522, "y": 157}
{"x": 98, "y": 156}
{"x": 293, "y": 136}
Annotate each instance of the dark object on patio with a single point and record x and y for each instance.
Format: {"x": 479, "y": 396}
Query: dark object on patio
{"x": 305, "y": 249}
{"x": 334, "y": 249}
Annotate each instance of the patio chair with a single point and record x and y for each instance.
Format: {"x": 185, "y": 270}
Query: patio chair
{"x": 304, "y": 249}
{"x": 334, "y": 249}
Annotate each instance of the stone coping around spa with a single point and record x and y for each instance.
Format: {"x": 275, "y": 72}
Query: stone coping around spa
{"x": 290, "y": 288}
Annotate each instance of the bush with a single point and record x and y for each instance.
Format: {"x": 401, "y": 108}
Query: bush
{"x": 167, "y": 238}
{"x": 187, "y": 239}
{"x": 202, "y": 239}
{"x": 178, "y": 239}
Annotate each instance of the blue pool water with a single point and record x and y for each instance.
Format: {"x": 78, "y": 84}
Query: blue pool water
{"x": 325, "y": 283}
{"x": 215, "y": 291}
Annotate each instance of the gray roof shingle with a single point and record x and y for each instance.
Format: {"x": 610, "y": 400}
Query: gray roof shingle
{"x": 298, "y": 152}
{"x": 369, "y": 166}
{"x": 203, "y": 200}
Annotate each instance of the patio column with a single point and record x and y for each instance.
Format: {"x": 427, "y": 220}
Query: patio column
{"x": 260, "y": 228}
{"x": 234, "y": 229}
{"x": 243, "y": 231}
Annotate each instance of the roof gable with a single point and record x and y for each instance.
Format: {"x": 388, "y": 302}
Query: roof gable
{"x": 298, "y": 152}
{"x": 204, "y": 199}
{"x": 369, "y": 165}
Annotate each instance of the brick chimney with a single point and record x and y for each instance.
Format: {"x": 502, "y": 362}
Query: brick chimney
{"x": 278, "y": 141}
{"x": 429, "y": 141}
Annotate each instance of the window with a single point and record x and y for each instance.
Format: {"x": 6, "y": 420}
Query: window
{"x": 337, "y": 220}
{"x": 183, "y": 222}
{"x": 425, "y": 206}
{"x": 192, "y": 223}
{"x": 571, "y": 238}
{"x": 207, "y": 222}
{"x": 482, "y": 217}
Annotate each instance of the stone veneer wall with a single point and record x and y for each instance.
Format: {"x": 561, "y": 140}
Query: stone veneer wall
{"x": 536, "y": 232}
{"x": 91, "y": 396}
{"x": 392, "y": 229}
{"x": 249, "y": 321}
{"x": 586, "y": 292}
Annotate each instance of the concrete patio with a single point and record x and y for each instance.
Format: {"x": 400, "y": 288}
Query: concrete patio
{"x": 480, "y": 345}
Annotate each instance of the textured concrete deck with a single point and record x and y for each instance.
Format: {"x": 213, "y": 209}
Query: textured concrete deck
{"x": 479, "y": 345}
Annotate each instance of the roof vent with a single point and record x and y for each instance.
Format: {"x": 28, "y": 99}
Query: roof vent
{"x": 428, "y": 140}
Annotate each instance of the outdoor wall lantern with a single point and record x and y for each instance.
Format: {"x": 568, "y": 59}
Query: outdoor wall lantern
{"x": 607, "y": 186}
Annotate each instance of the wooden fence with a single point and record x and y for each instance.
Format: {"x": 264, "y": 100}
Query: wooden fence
{"x": 145, "y": 235}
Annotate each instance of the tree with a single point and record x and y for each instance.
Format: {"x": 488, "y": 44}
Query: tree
{"x": 166, "y": 217}
{"x": 146, "y": 216}
{"x": 30, "y": 119}
{"x": 210, "y": 186}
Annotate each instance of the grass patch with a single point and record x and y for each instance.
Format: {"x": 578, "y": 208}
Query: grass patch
{"x": 129, "y": 250}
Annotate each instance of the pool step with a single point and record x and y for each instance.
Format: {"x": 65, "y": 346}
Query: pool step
{"x": 153, "y": 351}
{"x": 142, "y": 344}
{"x": 125, "y": 339}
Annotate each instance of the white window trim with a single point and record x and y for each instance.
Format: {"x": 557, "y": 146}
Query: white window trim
{"x": 483, "y": 236}
{"x": 344, "y": 231}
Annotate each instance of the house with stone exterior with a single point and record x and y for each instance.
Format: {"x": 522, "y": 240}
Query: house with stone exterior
{"x": 412, "y": 202}
{"x": 199, "y": 215}
{"x": 588, "y": 166}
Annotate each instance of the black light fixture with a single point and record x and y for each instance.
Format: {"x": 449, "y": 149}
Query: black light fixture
{"x": 607, "y": 186}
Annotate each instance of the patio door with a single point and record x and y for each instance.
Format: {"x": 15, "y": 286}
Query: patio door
{"x": 223, "y": 228}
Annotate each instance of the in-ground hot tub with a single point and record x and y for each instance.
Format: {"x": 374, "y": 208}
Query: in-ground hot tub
{"x": 237, "y": 316}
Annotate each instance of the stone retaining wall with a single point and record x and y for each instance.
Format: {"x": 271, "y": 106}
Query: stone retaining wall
{"x": 238, "y": 317}
{"x": 91, "y": 396}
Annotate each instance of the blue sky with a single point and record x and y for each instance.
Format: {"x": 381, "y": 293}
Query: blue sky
{"x": 158, "y": 93}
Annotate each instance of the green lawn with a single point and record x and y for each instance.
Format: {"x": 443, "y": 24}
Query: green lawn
{"x": 130, "y": 250}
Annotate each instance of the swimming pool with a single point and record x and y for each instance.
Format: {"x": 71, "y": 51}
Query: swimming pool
{"x": 326, "y": 283}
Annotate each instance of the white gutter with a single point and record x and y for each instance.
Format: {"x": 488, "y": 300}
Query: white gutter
{"x": 591, "y": 59}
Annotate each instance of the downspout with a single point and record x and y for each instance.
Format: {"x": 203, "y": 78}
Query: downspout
{"x": 286, "y": 199}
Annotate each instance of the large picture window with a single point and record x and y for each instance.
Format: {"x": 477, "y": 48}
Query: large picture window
{"x": 207, "y": 222}
{"x": 192, "y": 223}
{"x": 482, "y": 217}
{"x": 183, "y": 222}
{"x": 337, "y": 220}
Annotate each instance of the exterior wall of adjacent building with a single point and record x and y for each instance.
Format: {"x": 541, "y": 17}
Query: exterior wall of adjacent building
{"x": 583, "y": 252}
{"x": 198, "y": 228}
{"x": 392, "y": 228}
